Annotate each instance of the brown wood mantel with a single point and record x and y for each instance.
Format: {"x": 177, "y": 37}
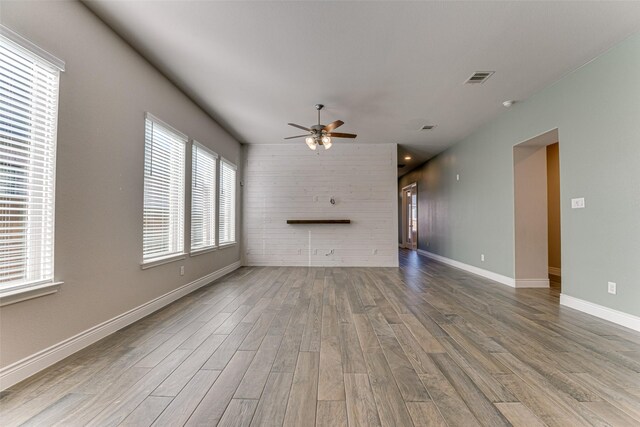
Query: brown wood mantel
{"x": 318, "y": 221}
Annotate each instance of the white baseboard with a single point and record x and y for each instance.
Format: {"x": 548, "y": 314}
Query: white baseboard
{"x": 627, "y": 320}
{"x": 470, "y": 268}
{"x": 555, "y": 271}
{"x": 30, "y": 365}
{"x": 532, "y": 283}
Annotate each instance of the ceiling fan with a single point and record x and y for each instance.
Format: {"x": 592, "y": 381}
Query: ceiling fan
{"x": 319, "y": 134}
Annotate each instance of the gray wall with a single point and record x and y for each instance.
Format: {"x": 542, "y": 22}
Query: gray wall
{"x": 596, "y": 111}
{"x": 98, "y": 244}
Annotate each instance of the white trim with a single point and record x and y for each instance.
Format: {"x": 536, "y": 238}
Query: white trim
{"x": 30, "y": 47}
{"x": 555, "y": 271}
{"x": 154, "y": 262}
{"x": 627, "y": 320}
{"x": 23, "y": 293}
{"x": 229, "y": 163}
{"x": 227, "y": 245}
{"x": 532, "y": 283}
{"x": 471, "y": 269}
{"x": 30, "y": 365}
{"x": 156, "y": 120}
{"x": 200, "y": 251}
{"x": 204, "y": 147}
{"x": 539, "y": 135}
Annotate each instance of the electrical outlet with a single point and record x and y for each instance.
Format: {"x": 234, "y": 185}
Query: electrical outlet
{"x": 482, "y": 257}
{"x": 611, "y": 288}
{"x": 182, "y": 270}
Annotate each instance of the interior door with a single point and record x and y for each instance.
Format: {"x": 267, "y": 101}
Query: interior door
{"x": 410, "y": 217}
{"x": 414, "y": 219}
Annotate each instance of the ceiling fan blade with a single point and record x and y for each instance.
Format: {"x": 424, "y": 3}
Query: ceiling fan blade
{"x": 341, "y": 135}
{"x": 297, "y": 136}
{"x": 332, "y": 126}
{"x": 299, "y": 127}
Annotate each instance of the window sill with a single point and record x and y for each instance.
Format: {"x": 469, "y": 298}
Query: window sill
{"x": 160, "y": 261}
{"x": 12, "y": 296}
{"x": 201, "y": 251}
{"x": 227, "y": 245}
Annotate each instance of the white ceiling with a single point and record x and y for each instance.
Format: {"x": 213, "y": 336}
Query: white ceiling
{"x": 384, "y": 68}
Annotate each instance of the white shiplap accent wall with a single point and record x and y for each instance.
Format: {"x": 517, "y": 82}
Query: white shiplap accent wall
{"x": 289, "y": 181}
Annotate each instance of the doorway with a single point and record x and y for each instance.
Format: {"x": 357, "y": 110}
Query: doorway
{"x": 537, "y": 212}
{"x": 410, "y": 216}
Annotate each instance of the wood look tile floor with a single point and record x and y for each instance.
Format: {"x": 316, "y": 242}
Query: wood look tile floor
{"x": 423, "y": 345}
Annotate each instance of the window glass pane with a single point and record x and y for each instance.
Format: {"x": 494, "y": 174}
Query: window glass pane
{"x": 163, "y": 216}
{"x": 28, "y": 126}
{"x": 227, "y": 232}
{"x": 203, "y": 197}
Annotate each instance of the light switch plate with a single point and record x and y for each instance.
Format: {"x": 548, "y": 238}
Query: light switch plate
{"x": 611, "y": 288}
{"x": 577, "y": 203}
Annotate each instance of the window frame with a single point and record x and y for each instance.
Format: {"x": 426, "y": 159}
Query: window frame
{"x": 181, "y": 252}
{"x": 233, "y": 166}
{"x": 216, "y": 168}
{"x": 23, "y": 289}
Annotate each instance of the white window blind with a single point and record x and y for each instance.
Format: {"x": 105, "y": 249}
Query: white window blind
{"x": 227, "y": 223}
{"x": 163, "y": 222}
{"x": 203, "y": 197}
{"x": 28, "y": 121}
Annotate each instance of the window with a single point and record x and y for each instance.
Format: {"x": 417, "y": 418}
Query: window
{"x": 203, "y": 198}
{"x": 28, "y": 125}
{"x": 163, "y": 213}
{"x": 227, "y": 230}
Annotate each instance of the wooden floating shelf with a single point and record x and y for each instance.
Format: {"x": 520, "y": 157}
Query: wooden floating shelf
{"x": 318, "y": 221}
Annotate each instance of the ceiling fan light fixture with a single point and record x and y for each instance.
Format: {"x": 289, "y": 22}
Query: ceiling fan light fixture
{"x": 326, "y": 141}
{"x": 311, "y": 142}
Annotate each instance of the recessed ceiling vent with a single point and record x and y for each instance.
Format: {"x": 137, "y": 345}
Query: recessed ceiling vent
{"x": 479, "y": 77}
{"x": 428, "y": 127}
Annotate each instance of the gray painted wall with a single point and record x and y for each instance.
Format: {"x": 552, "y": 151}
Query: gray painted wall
{"x": 98, "y": 244}
{"x": 596, "y": 111}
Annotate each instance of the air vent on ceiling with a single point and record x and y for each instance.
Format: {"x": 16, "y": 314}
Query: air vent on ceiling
{"x": 479, "y": 77}
{"x": 428, "y": 127}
